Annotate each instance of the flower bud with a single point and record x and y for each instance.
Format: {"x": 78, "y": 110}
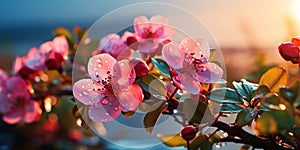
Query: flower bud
{"x": 140, "y": 67}
{"x": 189, "y": 133}
{"x": 131, "y": 41}
{"x": 289, "y": 51}
{"x": 54, "y": 61}
{"x": 296, "y": 40}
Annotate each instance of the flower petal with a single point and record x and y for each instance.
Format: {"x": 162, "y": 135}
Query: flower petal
{"x": 173, "y": 55}
{"x": 32, "y": 112}
{"x": 161, "y": 24}
{"x": 3, "y": 76}
{"x": 189, "y": 83}
{"x": 130, "y": 98}
{"x": 100, "y": 66}
{"x": 147, "y": 45}
{"x": 199, "y": 47}
{"x": 140, "y": 24}
{"x": 34, "y": 60}
{"x": 140, "y": 67}
{"x": 106, "y": 110}
{"x": 61, "y": 45}
{"x": 123, "y": 73}
{"x": 12, "y": 118}
{"x": 85, "y": 90}
{"x": 17, "y": 65}
{"x": 17, "y": 88}
{"x": 210, "y": 73}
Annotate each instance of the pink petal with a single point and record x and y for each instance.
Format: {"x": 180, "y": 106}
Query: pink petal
{"x": 100, "y": 66}
{"x": 210, "y": 73}
{"x": 34, "y": 60}
{"x": 189, "y": 83}
{"x": 85, "y": 90}
{"x": 123, "y": 73}
{"x": 140, "y": 24}
{"x": 12, "y": 118}
{"x": 3, "y": 76}
{"x": 147, "y": 45}
{"x": 130, "y": 98}
{"x": 126, "y": 35}
{"x": 199, "y": 47}
{"x": 5, "y": 105}
{"x": 46, "y": 47}
{"x": 106, "y": 110}
{"x": 17, "y": 88}
{"x": 173, "y": 55}
{"x": 110, "y": 44}
{"x": 161, "y": 26}
{"x": 17, "y": 65}
{"x": 140, "y": 67}
{"x": 32, "y": 112}
{"x": 61, "y": 45}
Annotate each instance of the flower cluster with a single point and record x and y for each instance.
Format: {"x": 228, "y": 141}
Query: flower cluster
{"x": 18, "y": 101}
{"x": 115, "y": 79}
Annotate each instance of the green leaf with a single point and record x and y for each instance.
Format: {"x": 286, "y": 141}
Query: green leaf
{"x": 63, "y": 31}
{"x": 152, "y": 85}
{"x": 288, "y": 95}
{"x": 196, "y": 111}
{"x": 128, "y": 114}
{"x": 273, "y": 121}
{"x": 245, "y": 117}
{"x": 161, "y": 66}
{"x": 270, "y": 100}
{"x": 225, "y": 95}
{"x": 245, "y": 89}
{"x": 262, "y": 90}
{"x": 153, "y": 115}
{"x": 215, "y": 138}
{"x": 212, "y": 54}
{"x": 198, "y": 141}
{"x": 274, "y": 78}
{"x": 228, "y": 108}
{"x": 173, "y": 140}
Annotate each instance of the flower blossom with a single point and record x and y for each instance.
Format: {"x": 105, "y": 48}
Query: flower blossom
{"x": 115, "y": 45}
{"x": 290, "y": 50}
{"x": 50, "y": 55}
{"x": 15, "y": 102}
{"x": 110, "y": 90}
{"x": 150, "y": 32}
{"x": 189, "y": 64}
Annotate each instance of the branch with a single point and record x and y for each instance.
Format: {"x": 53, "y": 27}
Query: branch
{"x": 246, "y": 137}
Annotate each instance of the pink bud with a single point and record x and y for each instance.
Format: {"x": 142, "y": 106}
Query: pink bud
{"x": 131, "y": 41}
{"x": 54, "y": 61}
{"x": 289, "y": 51}
{"x": 140, "y": 67}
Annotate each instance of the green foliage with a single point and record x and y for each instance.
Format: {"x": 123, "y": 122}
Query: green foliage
{"x": 161, "y": 66}
{"x": 153, "y": 115}
{"x": 225, "y": 95}
{"x": 152, "y": 85}
{"x": 196, "y": 111}
{"x": 228, "y": 108}
{"x": 245, "y": 89}
{"x": 245, "y": 117}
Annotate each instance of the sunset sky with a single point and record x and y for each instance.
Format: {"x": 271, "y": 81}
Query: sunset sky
{"x": 234, "y": 23}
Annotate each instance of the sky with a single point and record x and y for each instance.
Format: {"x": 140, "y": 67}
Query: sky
{"x": 233, "y": 23}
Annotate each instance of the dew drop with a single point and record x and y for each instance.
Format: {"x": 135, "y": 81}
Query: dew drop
{"x": 85, "y": 93}
{"x": 106, "y": 61}
{"x": 82, "y": 86}
{"x": 106, "y": 114}
{"x": 99, "y": 65}
{"x": 198, "y": 43}
{"x": 80, "y": 94}
{"x": 116, "y": 108}
{"x": 98, "y": 60}
{"x": 122, "y": 64}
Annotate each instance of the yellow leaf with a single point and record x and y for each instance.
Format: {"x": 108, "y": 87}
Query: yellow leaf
{"x": 172, "y": 140}
{"x": 274, "y": 78}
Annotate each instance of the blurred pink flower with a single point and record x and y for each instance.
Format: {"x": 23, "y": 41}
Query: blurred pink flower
{"x": 150, "y": 33}
{"x": 110, "y": 89}
{"x": 115, "y": 45}
{"x": 189, "y": 64}
{"x": 15, "y": 102}
{"x": 50, "y": 55}
{"x": 290, "y": 51}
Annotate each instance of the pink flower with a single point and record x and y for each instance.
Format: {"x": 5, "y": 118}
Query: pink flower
{"x": 189, "y": 64}
{"x": 151, "y": 32}
{"x": 110, "y": 89}
{"x": 290, "y": 51}
{"x": 50, "y": 55}
{"x": 15, "y": 102}
{"x": 114, "y": 45}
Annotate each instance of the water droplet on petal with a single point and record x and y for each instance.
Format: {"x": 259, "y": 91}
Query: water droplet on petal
{"x": 80, "y": 94}
{"x": 106, "y": 114}
{"x": 98, "y": 60}
{"x": 85, "y": 93}
{"x": 99, "y": 65}
{"x": 106, "y": 61}
{"x": 116, "y": 108}
{"x": 82, "y": 86}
